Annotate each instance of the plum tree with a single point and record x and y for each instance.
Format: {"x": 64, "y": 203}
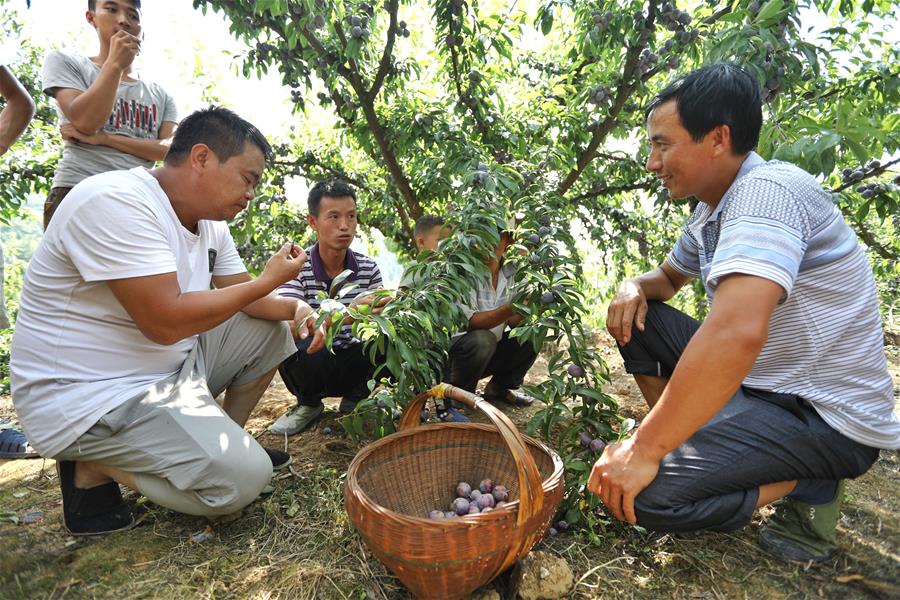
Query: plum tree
{"x": 484, "y": 124}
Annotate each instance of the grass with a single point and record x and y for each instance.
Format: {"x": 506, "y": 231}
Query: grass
{"x": 298, "y": 543}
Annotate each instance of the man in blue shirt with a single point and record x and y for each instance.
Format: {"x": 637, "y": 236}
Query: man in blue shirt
{"x": 783, "y": 390}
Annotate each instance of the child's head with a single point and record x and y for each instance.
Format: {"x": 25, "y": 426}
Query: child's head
{"x": 429, "y": 230}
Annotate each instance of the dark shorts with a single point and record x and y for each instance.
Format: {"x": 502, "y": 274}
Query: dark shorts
{"x": 341, "y": 372}
{"x": 712, "y": 480}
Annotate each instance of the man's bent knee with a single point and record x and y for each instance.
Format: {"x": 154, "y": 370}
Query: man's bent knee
{"x": 663, "y": 512}
{"x": 480, "y": 343}
{"x": 237, "y": 483}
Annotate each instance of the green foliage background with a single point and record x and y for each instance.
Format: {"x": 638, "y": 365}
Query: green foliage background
{"x": 486, "y": 108}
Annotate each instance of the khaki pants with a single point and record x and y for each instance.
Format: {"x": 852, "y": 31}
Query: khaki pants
{"x": 184, "y": 451}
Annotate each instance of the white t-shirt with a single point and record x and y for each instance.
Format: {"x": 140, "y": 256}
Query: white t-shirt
{"x": 485, "y": 297}
{"x": 76, "y": 352}
{"x": 140, "y": 109}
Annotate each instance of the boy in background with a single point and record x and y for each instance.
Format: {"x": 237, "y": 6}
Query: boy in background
{"x": 110, "y": 119}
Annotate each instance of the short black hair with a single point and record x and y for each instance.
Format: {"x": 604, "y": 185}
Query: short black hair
{"x": 719, "y": 94}
{"x": 92, "y": 4}
{"x": 333, "y": 188}
{"x": 222, "y": 130}
{"x": 425, "y": 223}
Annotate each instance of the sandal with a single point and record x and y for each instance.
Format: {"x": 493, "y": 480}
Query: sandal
{"x": 513, "y": 397}
{"x": 451, "y": 415}
{"x": 14, "y": 444}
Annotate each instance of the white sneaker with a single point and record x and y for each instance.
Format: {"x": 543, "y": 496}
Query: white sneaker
{"x": 296, "y": 420}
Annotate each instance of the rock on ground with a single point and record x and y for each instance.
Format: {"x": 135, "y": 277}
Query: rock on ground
{"x": 485, "y": 594}
{"x": 542, "y": 576}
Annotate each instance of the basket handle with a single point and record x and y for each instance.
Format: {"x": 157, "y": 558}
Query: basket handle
{"x": 531, "y": 491}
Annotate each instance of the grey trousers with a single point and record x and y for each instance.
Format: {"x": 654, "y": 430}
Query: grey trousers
{"x": 185, "y": 453}
{"x": 712, "y": 480}
{"x": 478, "y": 354}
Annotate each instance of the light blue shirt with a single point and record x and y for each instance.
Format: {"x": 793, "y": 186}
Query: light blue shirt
{"x": 825, "y": 336}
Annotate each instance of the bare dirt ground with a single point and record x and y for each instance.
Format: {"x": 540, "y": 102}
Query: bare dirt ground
{"x": 297, "y": 542}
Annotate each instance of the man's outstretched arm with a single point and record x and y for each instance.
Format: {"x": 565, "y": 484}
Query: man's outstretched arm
{"x": 165, "y": 314}
{"x": 18, "y": 110}
{"x": 274, "y": 307}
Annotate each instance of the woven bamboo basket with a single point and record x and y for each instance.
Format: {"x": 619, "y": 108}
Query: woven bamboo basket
{"x": 393, "y": 483}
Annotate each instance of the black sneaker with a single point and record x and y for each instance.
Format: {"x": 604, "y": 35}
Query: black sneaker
{"x": 279, "y": 459}
{"x": 92, "y": 511}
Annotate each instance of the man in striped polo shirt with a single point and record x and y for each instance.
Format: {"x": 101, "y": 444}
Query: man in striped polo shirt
{"x": 346, "y": 371}
{"x": 783, "y": 391}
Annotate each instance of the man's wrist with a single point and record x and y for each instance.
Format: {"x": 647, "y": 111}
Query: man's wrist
{"x": 302, "y": 311}
{"x": 266, "y": 282}
{"x": 636, "y": 282}
{"x": 645, "y": 446}
{"x": 113, "y": 67}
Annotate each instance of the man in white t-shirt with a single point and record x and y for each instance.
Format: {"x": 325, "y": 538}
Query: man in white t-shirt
{"x": 121, "y": 346}
{"x": 110, "y": 119}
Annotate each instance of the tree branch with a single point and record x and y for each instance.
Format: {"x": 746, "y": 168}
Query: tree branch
{"x": 872, "y": 173}
{"x": 613, "y": 189}
{"x": 404, "y": 220}
{"x": 393, "y": 166}
{"x": 385, "y": 64}
{"x": 626, "y": 87}
{"x": 352, "y": 76}
{"x": 311, "y": 160}
{"x": 624, "y": 90}
{"x": 465, "y": 98}
{"x": 868, "y": 237}
{"x": 617, "y": 157}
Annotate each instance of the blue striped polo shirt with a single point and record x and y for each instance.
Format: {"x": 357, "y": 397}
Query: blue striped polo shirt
{"x": 825, "y": 339}
{"x": 314, "y": 279}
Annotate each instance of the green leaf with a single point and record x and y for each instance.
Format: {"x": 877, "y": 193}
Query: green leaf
{"x": 346, "y": 289}
{"x": 337, "y": 281}
{"x": 577, "y": 465}
{"x": 770, "y": 13}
